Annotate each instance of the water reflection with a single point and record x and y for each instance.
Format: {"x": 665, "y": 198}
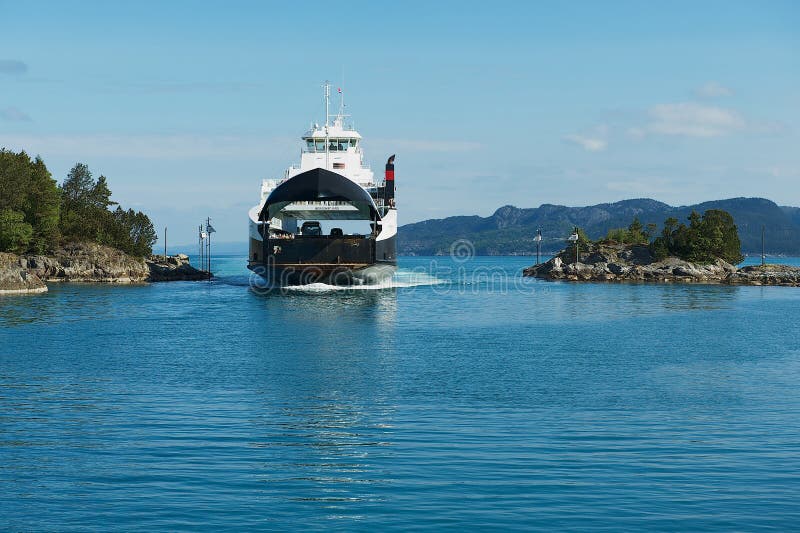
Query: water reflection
{"x": 324, "y": 308}
{"x": 68, "y": 302}
{"x": 608, "y": 301}
{"x": 324, "y": 425}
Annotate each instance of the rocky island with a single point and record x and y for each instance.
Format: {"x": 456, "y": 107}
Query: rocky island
{"x": 73, "y": 232}
{"x": 705, "y": 251}
{"x": 90, "y": 263}
{"x": 635, "y": 263}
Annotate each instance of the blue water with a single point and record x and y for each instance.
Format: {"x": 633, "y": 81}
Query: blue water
{"x": 483, "y": 401}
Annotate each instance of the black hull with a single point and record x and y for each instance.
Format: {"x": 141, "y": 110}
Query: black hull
{"x": 347, "y": 260}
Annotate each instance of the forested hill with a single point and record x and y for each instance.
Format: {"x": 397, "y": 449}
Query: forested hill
{"x": 510, "y": 230}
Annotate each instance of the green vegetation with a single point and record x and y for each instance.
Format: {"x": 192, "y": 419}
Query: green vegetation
{"x": 707, "y": 237}
{"x": 634, "y": 234}
{"x": 29, "y": 202}
{"x": 15, "y": 233}
{"x": 36, "y": 215}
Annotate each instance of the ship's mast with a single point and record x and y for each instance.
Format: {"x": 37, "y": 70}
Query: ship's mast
{"x": 327, "y": 123}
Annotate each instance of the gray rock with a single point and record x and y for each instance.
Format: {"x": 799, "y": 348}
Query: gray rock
{"x": 614, "y": 262}
{"x": 15, "y": 279}
{"x": 619, "y": 270}
{"x": 173, "y": 268}
{"x": 766, "y": 275}
{"x": 88, "y": 262}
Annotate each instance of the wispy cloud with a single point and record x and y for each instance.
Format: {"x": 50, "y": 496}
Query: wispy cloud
{"x": 14, "y": 114}
{"x": 595, "y": 140}
{"x": 10, "y": 66}
{"x": 590, "y": 144}
{"x": 712, "y": 89}
{"x": 691, "y": 119}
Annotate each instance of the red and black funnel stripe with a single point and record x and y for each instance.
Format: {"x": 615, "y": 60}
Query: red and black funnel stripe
{"x": 389, "y": 190}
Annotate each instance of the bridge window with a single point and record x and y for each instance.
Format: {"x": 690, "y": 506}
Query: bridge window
{"x": 334, "y": 144}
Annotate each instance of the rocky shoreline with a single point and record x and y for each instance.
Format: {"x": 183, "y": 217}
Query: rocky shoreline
{"x": 635, "y": 263}
{"x": 90, "y": 263}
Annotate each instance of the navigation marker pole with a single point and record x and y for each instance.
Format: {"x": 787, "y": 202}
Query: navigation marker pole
{"x": 209, "y": 230}
{"x": 165, "y": 243}
{"x": 574, "y": 238}
{"x": 201, "y": 237}
{"x": 763, "y": 257}
{"x": 538, "y": 240}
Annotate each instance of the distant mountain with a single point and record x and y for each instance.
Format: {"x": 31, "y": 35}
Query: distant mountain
{"x": 793, "y": 213}
{"x": 510, "y": 230}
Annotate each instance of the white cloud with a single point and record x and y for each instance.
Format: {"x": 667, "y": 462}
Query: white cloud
{"x": 14, "y": 114}
{"x": 691, "y": 119}
{"x": 590, "y": 144}
{"x": 712, "y": 89}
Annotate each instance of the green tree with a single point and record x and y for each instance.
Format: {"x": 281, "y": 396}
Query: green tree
{"x": 27, "y": 187}
{"x": 15, "y": 233}
{"x": 143, "y": 235}
{"x": 99, "y": 197}
{"x": 77, "y": 218}
{"x": 45, "y": 207}
{"x": 636, "y": 232}
{"x": 721, "y": 235}
{"x": 85, "y": 214}
{"x": 708, "y": 237}
{"x": 134, "y": 232}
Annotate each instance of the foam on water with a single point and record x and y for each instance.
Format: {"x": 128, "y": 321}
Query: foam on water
{"x": 401, "y": 279}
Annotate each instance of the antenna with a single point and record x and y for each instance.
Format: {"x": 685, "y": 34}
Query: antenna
{"x": 327, "y": 94}
{"x": 327, "y": 124}
{"x": 341, "y": 95}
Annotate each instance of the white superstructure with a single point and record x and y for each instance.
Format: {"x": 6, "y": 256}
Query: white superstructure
{"x": 334, "y": 146}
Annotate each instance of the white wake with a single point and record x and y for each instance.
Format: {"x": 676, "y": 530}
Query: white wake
{"x": 400, "y": 279}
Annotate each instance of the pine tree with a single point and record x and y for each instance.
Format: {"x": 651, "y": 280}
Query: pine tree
{"x": 27, "y": 188}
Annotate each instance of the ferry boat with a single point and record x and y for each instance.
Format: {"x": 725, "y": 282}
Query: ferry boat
{"x": 327, "y": 220}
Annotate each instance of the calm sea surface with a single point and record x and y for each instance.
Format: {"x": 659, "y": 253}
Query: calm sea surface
{"x": 486, "y": 401}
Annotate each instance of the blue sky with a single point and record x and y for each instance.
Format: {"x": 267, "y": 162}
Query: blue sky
{"x": 186, "y": 106}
